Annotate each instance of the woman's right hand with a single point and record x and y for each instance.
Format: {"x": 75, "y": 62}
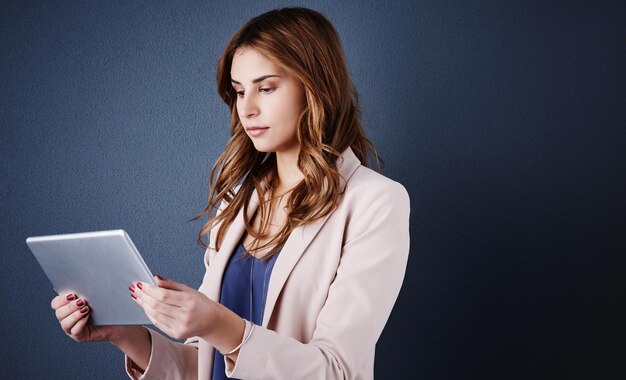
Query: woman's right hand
{"x": 73, "y": 315}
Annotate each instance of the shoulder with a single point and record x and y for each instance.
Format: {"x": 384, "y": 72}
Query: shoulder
{"x": 368, "y": 188}
{"x": 368, "y": 183}
{"x": 376, "y": 208}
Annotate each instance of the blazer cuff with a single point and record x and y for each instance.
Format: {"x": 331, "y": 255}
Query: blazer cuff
{"x": 229, "y": 364}
{"x": 165, "y": 356}
{"x": 132, "y": 369}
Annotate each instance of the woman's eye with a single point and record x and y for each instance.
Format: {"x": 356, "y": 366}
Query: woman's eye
{"x": 266, "y": 90}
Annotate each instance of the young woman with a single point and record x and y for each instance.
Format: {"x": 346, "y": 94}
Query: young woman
{"x": 308, "y": 247}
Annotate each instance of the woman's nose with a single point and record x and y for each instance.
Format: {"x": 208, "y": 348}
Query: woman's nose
{"x": 248, "y": 107}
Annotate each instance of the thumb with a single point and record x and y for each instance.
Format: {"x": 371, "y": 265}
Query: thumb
{"x": 169, "y": 284}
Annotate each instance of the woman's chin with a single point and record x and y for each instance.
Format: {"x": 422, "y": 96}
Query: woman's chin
{"x": 271, "y": 147}
{"x": 263, "y": 148}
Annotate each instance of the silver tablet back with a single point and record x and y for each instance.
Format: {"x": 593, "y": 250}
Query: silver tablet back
{"x": 97, "y": 266}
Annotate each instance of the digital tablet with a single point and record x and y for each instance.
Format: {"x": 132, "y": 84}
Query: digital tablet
{"x": 99, "y": 267}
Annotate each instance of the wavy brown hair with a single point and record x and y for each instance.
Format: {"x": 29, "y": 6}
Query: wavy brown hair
{"x": 306, "y": 44}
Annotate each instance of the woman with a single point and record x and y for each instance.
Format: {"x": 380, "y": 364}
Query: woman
{"x": 308, "y": 247}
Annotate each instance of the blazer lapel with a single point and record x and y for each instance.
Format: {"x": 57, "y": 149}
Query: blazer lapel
{"x": 300, "y": 238}
{"x": 216, "y": 269}
{"x": 293, "y": 249}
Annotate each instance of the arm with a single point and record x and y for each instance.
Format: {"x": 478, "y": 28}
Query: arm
{"x": 359, "y": 301}
{"x": 149, "y": 354}
{"x": 176, "y": 308}
{"x": 73, "y": 315}
{"x": 136, "y": 344}
{"x": 165, "y": 360}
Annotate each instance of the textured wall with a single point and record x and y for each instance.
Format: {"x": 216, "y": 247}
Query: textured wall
{"x": 505, "y": 122}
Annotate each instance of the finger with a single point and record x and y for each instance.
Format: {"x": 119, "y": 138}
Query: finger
{"x": 77, "y": 329}
{"x": 161, "y": 321}
{"x": 150, "y": 303}
{"x": 62, "y": 300}
{"x": 167, "y": 296}
{"x": 62, "y": 312}
{"x": 170, "y": 284}
{"x": 68, "y": 323}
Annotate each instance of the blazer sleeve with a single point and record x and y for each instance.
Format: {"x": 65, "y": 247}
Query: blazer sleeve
{"x": 169, "y": 359}
{"x": 360, "y": 299}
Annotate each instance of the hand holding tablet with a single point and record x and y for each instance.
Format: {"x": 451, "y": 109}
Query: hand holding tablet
{"x": 98, "y": 267}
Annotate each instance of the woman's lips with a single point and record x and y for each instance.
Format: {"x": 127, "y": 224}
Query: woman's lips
{"x": 256, "y": 131}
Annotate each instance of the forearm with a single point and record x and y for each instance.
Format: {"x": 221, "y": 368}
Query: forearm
{"x": 136, "y": 343}
{"x": 226, "y": 332}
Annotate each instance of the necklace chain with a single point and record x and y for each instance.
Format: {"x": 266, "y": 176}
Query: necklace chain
{"x": 251, "y": 281}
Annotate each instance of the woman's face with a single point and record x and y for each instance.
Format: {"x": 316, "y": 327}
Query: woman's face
{"x": 269, "y": 101}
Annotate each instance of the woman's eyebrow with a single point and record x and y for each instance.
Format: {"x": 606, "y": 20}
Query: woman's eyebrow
{"x": 257, "y": 80}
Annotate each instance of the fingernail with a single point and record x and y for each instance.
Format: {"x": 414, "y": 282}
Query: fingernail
{"x": 132, "y": 288}
{"x": 139, "y": 285}
{"x": 159, "y": 277}
{"x": 84, "y": 309}
{"x": 80, "y": 303}
{"x": 133, "y": 295}
{"x": 70, "y": 297}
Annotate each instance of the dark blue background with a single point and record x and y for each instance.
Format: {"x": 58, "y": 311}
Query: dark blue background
{"x": 504, "y": 120}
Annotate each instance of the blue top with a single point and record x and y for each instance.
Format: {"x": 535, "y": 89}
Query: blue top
{"x": 236, "y": 291}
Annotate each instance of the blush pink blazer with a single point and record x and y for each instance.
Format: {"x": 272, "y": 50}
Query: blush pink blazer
{"x": 331, "y": 292}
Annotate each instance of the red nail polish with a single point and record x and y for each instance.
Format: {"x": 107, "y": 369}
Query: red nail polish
{"x": 84, "y": 309}
{"x": 80, "y": 303}
{"x": 70, "y": 297}
{"x": 139, "y": 285}
{"x": 159, "y": 277}
{"x": 134, "y": 296}
{"x": 132, "y": 288}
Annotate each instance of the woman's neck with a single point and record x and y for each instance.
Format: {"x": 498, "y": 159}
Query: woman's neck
{"x": 289, "y": 173}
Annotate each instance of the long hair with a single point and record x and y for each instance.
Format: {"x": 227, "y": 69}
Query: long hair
{"x": 306, "y": 44}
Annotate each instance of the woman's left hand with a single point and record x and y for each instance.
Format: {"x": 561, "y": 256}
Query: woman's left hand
{"x": 176, "y": 309}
